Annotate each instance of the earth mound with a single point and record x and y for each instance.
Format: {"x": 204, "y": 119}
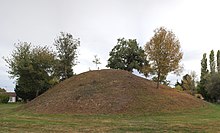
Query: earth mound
{"x": 111, "y": 92}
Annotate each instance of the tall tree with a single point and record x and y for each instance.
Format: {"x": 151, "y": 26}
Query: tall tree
{"x": 32, "y": 68}
{"x": 212, "y": 62}
{"x": 218, "y": 61}
{"x": 164, "y": 54}
{"x": 66, "y": 46}
{"x": 127, "y": 55}
{"x": 203, "y": 77}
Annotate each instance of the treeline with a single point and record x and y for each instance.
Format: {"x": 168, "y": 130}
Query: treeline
{"x": 209, "y": 85}
{"x": 37, "y": 69}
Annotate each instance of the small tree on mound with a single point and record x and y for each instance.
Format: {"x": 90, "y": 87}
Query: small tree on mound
{"x": 164, "y": 54}
{"x": 96, "y": 61}
{"x": 127, "y": 55}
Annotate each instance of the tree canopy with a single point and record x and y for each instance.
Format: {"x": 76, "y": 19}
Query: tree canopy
{"x": 33, "y": 68}
{"x": 209, "y": 81}
{"x": 212, "y": 62}
{"x": 213, "y": 86}
{"x": 66, "y": 46}
{"x": 127, "y": 55}
{"x": 2, "y": 90}
{"x": 164, "y": 53}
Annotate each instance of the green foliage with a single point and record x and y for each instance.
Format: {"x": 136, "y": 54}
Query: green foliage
{"x": 4, "y": 98}
{"x": 33, "y": 68}
{"x": 164, "y": 54}
{"x": 212, "y": 62}
{"x": 188, "y": 84}
{"x": 2, "y": 90}
{"x": 218, "y": 61}
{"x": 213, "y": 86}
{"x": 203, "y": 78}
{"x": 179, "y": 88}
{"x": 127, "y": 55}
{"x": 66, "y": 46}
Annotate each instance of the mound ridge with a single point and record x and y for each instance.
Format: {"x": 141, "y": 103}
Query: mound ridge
{"x": 110, "y": 92}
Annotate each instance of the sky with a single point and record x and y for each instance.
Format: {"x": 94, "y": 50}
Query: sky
{"x": 99, "y": 23}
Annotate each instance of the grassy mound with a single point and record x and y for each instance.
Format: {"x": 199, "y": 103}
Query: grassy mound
{"x": 111, "y": 92}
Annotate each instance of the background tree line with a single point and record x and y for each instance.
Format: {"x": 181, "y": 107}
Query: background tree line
{"x": 209, "y": 85}
{"x": 36, "y": 68}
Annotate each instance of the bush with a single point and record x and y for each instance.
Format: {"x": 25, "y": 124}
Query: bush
{"x": 4, "y": 98}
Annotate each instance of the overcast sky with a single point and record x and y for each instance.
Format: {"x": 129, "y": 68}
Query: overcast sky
{"x": 99, "y": 23}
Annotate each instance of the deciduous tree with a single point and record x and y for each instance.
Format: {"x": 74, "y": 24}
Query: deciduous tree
{"x": 164, "y": 54}
{"x": 33, "y": 69}
{"x": 127, "y": 55}
{"x": 188, "y": 84}
{"x": 66, "y": 46}
{"x": 96, "y": 61}
{"x": 213, "y": 86}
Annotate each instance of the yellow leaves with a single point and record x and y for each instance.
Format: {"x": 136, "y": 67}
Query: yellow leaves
{"x": 164, "y": 52}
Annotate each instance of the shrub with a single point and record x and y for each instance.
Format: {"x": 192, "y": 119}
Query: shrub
{"x": 4, "y": 98}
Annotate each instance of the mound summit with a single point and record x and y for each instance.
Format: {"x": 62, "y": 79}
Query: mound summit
{"x": 110, "y": 92}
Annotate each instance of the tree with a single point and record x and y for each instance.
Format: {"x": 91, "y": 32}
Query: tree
{"x": 127, "y": 55}
{"x": 66, "y": 46}
{"x": 218, "y": 61}
{"x": 203, "y": 78}
{"x": 212, "y": 62}
{"x": 33, "y": 69}
{"x": 194, "y": 82}
{"x": 164, "y": 54}
{"x": 2, "y": 90}
{"x": 4, "y": 98}
{"x": 188, "y": 84}
{"x": 213, "y": 86}
{"x": 96, "y": 61}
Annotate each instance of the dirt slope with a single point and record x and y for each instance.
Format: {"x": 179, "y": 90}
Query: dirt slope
{"x": 110, "y": 92}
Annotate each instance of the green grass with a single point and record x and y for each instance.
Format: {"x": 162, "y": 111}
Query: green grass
{"x": 197, "y": 120}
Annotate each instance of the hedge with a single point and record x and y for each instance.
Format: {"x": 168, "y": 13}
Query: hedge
{"x": 4, "y": 98}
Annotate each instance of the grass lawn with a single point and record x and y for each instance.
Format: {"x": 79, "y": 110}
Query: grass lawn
{"x": 197, "y": 120}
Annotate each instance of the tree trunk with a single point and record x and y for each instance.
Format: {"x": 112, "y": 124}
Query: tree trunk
{"x": 37, "y": 93}
{"x": 158, "y": 81}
